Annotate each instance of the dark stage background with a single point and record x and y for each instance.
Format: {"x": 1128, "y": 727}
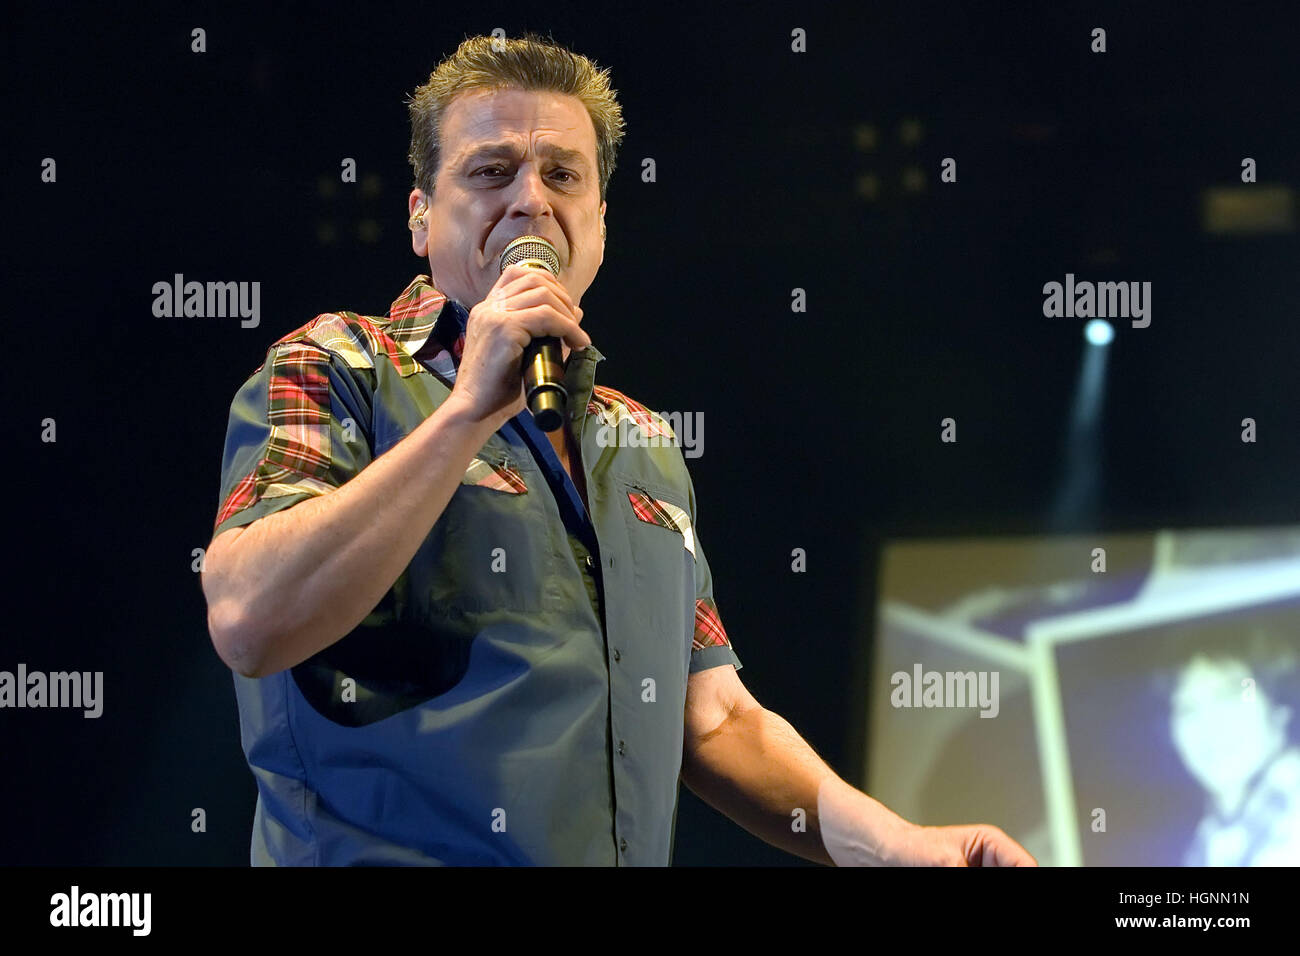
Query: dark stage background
{"x": 924, "y": 301}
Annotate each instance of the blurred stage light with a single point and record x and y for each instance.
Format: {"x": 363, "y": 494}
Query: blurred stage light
{"x": 1098, "y": 332}
{"x": 1248, "y": 210}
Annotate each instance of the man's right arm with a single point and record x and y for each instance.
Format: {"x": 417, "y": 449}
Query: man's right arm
{"x": 290, "y": 584}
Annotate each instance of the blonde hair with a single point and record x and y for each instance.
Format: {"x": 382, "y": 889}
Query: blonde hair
{"x": 526, "y": 63}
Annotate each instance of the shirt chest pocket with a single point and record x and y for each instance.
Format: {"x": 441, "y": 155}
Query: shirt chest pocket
{"x": 662, "y": 542}
{"x": 489, "y": 550}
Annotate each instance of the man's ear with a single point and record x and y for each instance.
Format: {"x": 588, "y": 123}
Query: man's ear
{"x": 603, "y": 205}
{"x": 418, "y": 222}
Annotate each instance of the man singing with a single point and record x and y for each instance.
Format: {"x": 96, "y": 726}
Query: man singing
{"x": 456, "y": 638}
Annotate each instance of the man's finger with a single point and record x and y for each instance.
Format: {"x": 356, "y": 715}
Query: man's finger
{"x": 529, "y": 277}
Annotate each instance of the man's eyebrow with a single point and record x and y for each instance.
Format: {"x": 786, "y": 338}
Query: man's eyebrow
{"x": 563, "y": 154}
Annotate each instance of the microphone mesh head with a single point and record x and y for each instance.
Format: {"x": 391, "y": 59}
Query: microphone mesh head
{"x": 533, "y": 248}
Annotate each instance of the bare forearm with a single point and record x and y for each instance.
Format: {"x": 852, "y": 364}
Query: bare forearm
{"x": 758, "y": 771}
{"x": 296, "y": 581}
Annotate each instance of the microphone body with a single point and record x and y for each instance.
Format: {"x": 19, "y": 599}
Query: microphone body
{"x": 543, "y": 363}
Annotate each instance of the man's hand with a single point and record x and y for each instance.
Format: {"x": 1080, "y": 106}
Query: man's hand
{"x": 969, "y": 845}
{"x": 524, "y": 304}
{"x": 858, "y": 830}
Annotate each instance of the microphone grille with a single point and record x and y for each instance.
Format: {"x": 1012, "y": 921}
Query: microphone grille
{"x": 530, "y": 247}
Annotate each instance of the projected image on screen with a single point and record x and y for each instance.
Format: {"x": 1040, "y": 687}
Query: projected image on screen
{"x": 1147, "y": 693}
{"x": 1245, "y": 757}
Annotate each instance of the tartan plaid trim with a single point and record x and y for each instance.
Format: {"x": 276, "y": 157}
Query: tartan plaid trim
{"x": 502, "y": 477}
{"x": 654, "y": 511}
{"x": 296, "y": 459}
{"x": 709, "y": 631}
{"x": 266, "y": 481}
{"x": 353, "y": 338}
{"x": 414, "y": 314}
{"x": 613, "y": 406}
{"x": 359, "y": 339}
{"x": 419, "y": 301}
{"x": 298, "y": 409}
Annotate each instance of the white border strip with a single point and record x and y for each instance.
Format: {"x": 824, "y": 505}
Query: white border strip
{"x": 1000, "y": 650}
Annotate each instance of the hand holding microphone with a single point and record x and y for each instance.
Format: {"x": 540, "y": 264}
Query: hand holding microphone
{"x": 526, "y": 307}
{"x": 543, "y": 364}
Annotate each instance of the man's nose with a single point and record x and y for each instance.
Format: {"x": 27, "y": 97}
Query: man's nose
{"x": 530, "y": 198}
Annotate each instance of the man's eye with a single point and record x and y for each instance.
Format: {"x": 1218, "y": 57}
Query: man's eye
{"x": 494, "y": 172}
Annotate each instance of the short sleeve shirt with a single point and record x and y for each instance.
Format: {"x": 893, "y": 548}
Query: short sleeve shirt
{"x": 517, "y": 696}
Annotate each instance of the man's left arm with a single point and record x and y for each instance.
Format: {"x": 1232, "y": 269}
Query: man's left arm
{"x": 752, "y": 766}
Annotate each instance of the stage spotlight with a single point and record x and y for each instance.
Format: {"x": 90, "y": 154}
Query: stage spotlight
{"x": 1098, "y": 332}
{"x": 1077, "y": 498}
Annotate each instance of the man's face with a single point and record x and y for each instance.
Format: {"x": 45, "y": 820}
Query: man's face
{"x": 514, "y": 163}
{"x": 1222, "y": 736}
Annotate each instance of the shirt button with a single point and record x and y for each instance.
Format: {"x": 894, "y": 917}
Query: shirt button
{"x": 590, "y": 563}
{"x": 618, "y": 655}
{"x": 621, "y": 747}
{"x": 622, "y": 844}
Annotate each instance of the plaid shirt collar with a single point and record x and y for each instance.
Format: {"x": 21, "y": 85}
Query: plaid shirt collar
{"x": 425, "y": 322}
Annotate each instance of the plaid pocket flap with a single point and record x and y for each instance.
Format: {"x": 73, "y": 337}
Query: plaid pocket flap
{"x": 499, "y": 476}
{"x": 654, "y": 510}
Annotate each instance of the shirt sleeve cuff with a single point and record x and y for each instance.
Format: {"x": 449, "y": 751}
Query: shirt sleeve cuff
{"x": 714, "y": 656}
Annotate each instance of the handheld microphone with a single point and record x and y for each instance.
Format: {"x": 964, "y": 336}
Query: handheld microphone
{"x": 543, "y": 366}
